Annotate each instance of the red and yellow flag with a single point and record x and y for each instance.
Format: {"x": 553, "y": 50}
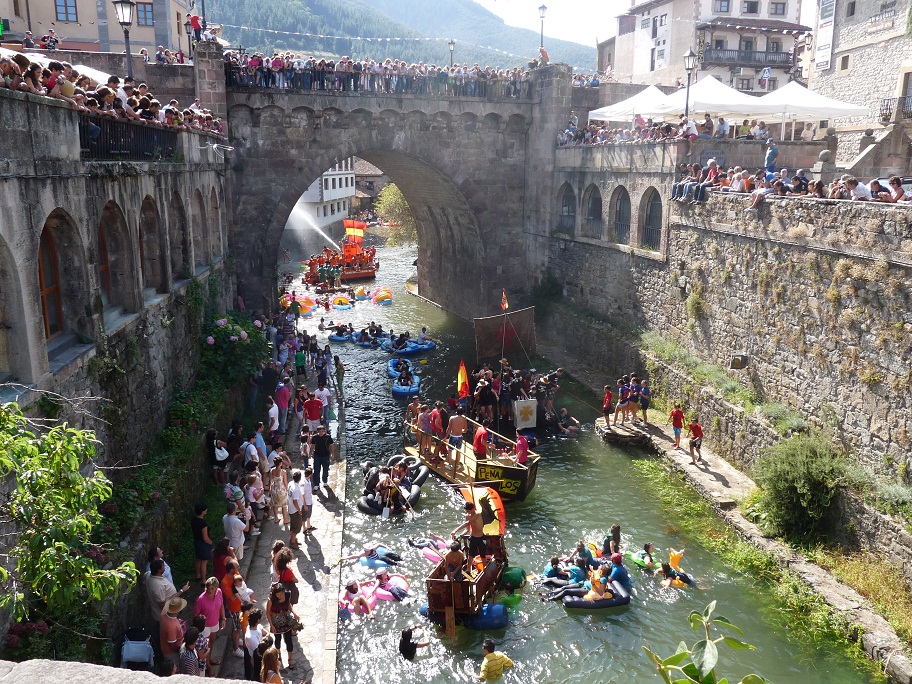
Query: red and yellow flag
{"x": 462, "y": 381}
{"x": 354, "y": 229}
{"x": 504, "y": 304}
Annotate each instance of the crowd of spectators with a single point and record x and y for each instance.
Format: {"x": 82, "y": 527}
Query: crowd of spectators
{"x": 116, "y": 100}
{"x": 695, "y": 181}
{"x": 294, "y": 72}
{"x": 646, "y": 130}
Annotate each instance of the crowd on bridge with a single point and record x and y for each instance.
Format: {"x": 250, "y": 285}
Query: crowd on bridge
{"x": 294, "y": 72}
{"x": 115, "y": 100}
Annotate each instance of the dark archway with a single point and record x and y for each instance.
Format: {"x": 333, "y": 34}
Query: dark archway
{"x": 152, "y": 248}
{"x": 214, "y": 227}
{"x": 592, "y": 203}
{"x": 200, "y": 233}
{"x": 620, "y": 215}
{"x": 566, "y": 209}
{"x": 115, "y": 260}
{"x": 651, "y": 213}
{"x": 15, "y": 352}
{"x": 66, "y": 298}
{"x": 179, "y": 240}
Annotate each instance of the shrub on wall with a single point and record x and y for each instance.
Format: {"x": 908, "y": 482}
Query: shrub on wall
{"x": 800, "y": 477}
{"x": 233, "y": 347}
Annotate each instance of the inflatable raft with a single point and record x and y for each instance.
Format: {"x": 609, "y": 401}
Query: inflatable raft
{"x": 407, "y": 390}
{"x": 621, "y": 597}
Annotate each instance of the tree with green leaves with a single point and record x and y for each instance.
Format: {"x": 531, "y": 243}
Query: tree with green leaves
{"x": 52, "y": 569}
{"x": 392, "y": 207}
{"x": 697, "y": 664}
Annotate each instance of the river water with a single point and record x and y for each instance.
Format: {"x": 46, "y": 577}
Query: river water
{"x": 584, "y": 486}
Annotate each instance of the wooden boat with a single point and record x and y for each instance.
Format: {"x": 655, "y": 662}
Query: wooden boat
{"x": 511, "y": 480}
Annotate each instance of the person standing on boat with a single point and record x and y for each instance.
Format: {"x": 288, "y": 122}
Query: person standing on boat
{"x": 456, "y": 428}
{"x": 480, "y": 441}
{"x": 478, "y": 543}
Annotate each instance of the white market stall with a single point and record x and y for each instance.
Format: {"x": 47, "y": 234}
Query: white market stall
{"x": 795, "y": 101}
{"x": 707, "y": 95}
{"x": 625, "y": 110}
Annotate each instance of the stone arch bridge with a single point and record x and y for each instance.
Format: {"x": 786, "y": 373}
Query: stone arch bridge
{"x": 462, "y": 165}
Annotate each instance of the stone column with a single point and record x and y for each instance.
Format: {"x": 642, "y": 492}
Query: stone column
{"x": 209, "y": 77}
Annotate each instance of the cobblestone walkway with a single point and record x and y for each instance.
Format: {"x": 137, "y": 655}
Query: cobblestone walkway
{"x": 315, "y": 645}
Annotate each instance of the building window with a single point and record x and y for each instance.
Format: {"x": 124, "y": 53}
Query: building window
{"x": 719, "y": 43}
{"x": 49, "y": 282}
{"x": 660, "y": 55}
{"x": 745, "y": 84}
{"x": 652, "y": 223}
{"x": 566, "y": 219}
{"x": 621, "y": 216}
{"x": 326, "y": 183}
{"x": 777, "y": 9}
{"x": 850, "y": 9}
{"x": 144, "y": 14}
{"x": 325, "y": 211}
{"x": 844, "y": 63}
{"x": 16, "y": 9}
{"x": 723, "y": 6}
{"x": 644, "y": 24}
{"x": 334, "y": 184}
{"x": 774, "y": 46}
{"x": 772, "y": 84}
{"x": 66, "y": 10}
{"x": 663, "y": 20}
{"x": 751, "y": 7}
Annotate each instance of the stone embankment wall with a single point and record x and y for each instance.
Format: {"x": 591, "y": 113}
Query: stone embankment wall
{"x": 816, "y": 293}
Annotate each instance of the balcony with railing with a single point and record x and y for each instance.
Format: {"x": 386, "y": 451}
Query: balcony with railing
{"x": 746, "y": 58}
{"x": 566, "y": 223}
{"x": 889, "y": 105}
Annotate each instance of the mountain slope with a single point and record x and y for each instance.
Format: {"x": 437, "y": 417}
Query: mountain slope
{"x": 352, "y": 19}
{"x": 469, "y": 22}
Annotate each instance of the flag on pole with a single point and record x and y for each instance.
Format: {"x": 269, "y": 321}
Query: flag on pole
{"x": 462, "y": 381}
{"x": 504, "y": 304}
{"x": 354, "y": 229}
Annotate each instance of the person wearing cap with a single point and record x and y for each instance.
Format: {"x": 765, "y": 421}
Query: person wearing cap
{"x": 619, "y": 572}
{"x": 170, "y": 633}
{"x": 323, "y": 453}
{"x": 772, "y": 152}
{"x": 27, "y": 42}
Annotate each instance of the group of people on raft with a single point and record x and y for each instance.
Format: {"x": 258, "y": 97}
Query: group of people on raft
{"x": 587, "y": 572}
{"x": 326, "y": 267}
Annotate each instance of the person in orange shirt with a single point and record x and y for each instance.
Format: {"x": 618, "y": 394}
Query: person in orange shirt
{"x": 233, "y": 603}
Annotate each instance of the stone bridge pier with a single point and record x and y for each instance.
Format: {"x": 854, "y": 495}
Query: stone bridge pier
{"x": 460, "y": 163}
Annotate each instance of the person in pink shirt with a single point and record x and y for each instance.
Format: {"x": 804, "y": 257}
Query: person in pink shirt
{"x": 282, "y": 399}
{"x": 521, "y": 451}
{"x": 211, "y": 604}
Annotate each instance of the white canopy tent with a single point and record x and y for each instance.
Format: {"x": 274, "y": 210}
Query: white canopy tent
{"x": 643, "y": 101}
{"x": 795, "y": 101}
{"x": 707, "y": 95}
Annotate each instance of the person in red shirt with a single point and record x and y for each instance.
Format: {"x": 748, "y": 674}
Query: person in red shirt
{"x": 677, "y": 424}
{"x": 606, "y": 404}
{"x": 480, "y": 442}
{"x": 313, "y": 411}
{"x": 196, "y": 25}
{"x": 696, "y": 440}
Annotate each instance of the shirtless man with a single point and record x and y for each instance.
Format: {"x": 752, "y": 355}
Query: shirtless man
{"x": 478, "y": 543}
{"x": 454, "y": 561}
{"x": 455, "y": 434}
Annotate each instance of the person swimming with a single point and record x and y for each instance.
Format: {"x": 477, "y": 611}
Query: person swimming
{"x": 670, "y": 575}
{"x": 645, "y": 554}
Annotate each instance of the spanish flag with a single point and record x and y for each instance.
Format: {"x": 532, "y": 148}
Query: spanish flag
{"x": 462, "y": 381}
{"x": 354, "y": 229}
{"x": 504, "y": 304}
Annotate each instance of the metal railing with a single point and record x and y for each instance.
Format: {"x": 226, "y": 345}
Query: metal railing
{"x": 103, "y": 138}
{"x": 745, "y": 57}
{"x": 592, "y": 228}
{"x": 889, "y": 105}
{"x": 652, "y": 237}
{"x": 622, "y": 232}
{"x": 315, "y": 82}
{"x": 566, "y": 223}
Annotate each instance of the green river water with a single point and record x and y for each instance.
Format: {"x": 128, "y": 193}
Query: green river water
{"x": 583, "y": 487}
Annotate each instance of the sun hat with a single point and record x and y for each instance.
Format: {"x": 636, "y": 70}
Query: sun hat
{"x": 176, "y": 605}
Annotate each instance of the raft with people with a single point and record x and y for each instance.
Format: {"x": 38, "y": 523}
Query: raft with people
{"x": 406, "y": 385}
{"x": 402, "y": 492}
{"x": 393, "y": 369}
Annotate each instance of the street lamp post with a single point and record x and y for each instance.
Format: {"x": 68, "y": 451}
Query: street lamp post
{"x": 188, "y": 27}
{"x": 541, "y": 14}
{"x": 690, "y": 63}
{"x": 452, "y": 45}
{"x": 204, "y": 16}
{"x": 124, "y": 9}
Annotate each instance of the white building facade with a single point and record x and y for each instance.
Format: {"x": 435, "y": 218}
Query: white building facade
{"x": 328, "y": 199}
{"x": 747, "y": 44}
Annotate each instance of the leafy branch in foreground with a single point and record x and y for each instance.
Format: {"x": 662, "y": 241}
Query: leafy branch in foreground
{"x": 703, "y": 656}
{"x": 53, "y": 508}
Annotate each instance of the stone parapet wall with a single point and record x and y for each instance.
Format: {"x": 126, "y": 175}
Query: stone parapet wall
{"x": 816, "y": 293}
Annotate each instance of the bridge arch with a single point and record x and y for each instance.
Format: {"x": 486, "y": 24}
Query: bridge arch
{"x": 15, "y": 360}
{"x": 151, "y": 247}
{"x": 200, "y": 232}
{"x": 179, "y": 239}
{"x": 115, "y": 261}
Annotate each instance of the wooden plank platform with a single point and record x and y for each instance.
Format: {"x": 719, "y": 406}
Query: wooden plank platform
{"x": 628, "y": 434}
